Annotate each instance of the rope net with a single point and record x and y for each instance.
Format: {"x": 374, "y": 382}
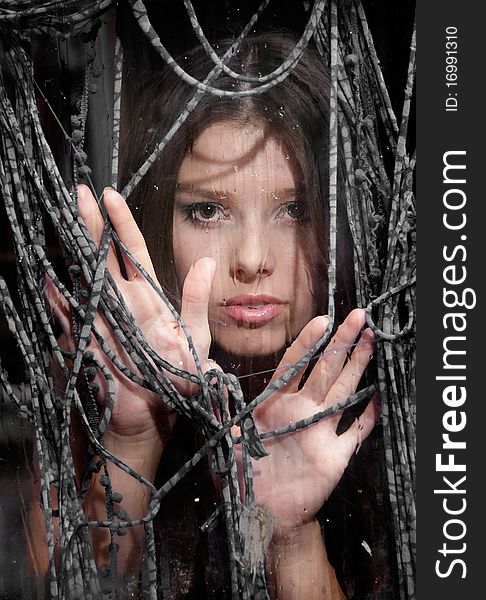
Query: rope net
{"x": 40, "y": 203}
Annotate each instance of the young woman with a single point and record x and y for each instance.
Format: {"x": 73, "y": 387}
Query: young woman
{"x": 232, "y": 221}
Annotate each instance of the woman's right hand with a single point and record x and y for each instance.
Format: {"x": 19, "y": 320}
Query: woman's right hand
{"x": 139, "y": 415}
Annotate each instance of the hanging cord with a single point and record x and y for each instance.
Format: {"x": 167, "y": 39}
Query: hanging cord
{"x": 67, "y": 16}
{"x": 190, "y": 107}
{"x": 286, "y": 66}
{"x": 141, "y": 16}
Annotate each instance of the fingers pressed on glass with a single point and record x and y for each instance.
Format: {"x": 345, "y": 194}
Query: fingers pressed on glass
{"x": 195, "y": 301}
{"x": 59, "y": 305}
{"x": 308, "y": 337}
{"x": 129, "y": 233}
{"x": 348, "y": 379}
{"x": 354, "y": 436}
{"x": 94, "y": 221}
{"x": 330, "y": 364}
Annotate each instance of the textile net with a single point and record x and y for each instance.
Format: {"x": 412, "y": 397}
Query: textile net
{"x": 39, "y": 198}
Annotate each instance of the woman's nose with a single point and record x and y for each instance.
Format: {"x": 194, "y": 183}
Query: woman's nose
{"x": 253, "y": 255}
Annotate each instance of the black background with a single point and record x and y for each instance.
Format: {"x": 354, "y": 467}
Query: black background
{"x": 437, "y": 132}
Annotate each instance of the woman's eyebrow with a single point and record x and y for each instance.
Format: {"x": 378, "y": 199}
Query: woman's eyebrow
{"x": 288, "y": 193}
{"x": 188, "y": 188}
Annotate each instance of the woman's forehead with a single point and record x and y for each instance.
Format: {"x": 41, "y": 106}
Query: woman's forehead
{"x": 229, "y": 150}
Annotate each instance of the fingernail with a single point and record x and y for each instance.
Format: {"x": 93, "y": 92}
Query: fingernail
{"x": 209, "y": 264}
{"x": 207, "y": 259}
{"x": 107, "y": 190}
{"x": 81, "y": 190}
{"x": 368, "y": 335}
{"x": 112, "y": 192}
{"x": 326, "y": 319}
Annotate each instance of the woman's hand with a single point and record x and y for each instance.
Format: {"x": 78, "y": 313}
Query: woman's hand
{"x": 140, "y": 416}
{"x": 303, "y": 468}
{"x": 141, "y": 422}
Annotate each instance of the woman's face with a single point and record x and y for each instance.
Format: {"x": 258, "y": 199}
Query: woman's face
{"x": 237, "y": 201}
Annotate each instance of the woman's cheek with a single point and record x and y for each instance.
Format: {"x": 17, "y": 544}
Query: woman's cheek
{"x": 308, "y": 286}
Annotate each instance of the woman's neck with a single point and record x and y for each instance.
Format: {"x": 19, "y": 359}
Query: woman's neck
{"x": 253, "y": 372}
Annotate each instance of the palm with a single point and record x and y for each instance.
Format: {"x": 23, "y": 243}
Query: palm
{"x": 303, "y": 468}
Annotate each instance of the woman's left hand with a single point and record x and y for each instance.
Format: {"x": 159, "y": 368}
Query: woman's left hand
{"x": 304, "y": 467}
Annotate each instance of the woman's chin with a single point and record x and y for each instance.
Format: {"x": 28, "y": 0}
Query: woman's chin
{"x": 250, "y": 344}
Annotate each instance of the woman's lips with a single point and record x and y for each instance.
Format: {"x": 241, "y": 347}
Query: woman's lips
{"x": 253, "y": 310}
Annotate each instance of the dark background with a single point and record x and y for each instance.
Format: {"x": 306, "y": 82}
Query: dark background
{"x": 390, "y": 22}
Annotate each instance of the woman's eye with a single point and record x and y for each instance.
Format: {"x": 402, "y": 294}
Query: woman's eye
{"x": 205, "y": 213}
{"x": 206, "y": 210}
{"x": 296, "y": 210}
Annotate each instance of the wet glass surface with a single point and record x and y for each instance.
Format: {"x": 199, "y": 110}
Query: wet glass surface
{"x": 356, "y": 509}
